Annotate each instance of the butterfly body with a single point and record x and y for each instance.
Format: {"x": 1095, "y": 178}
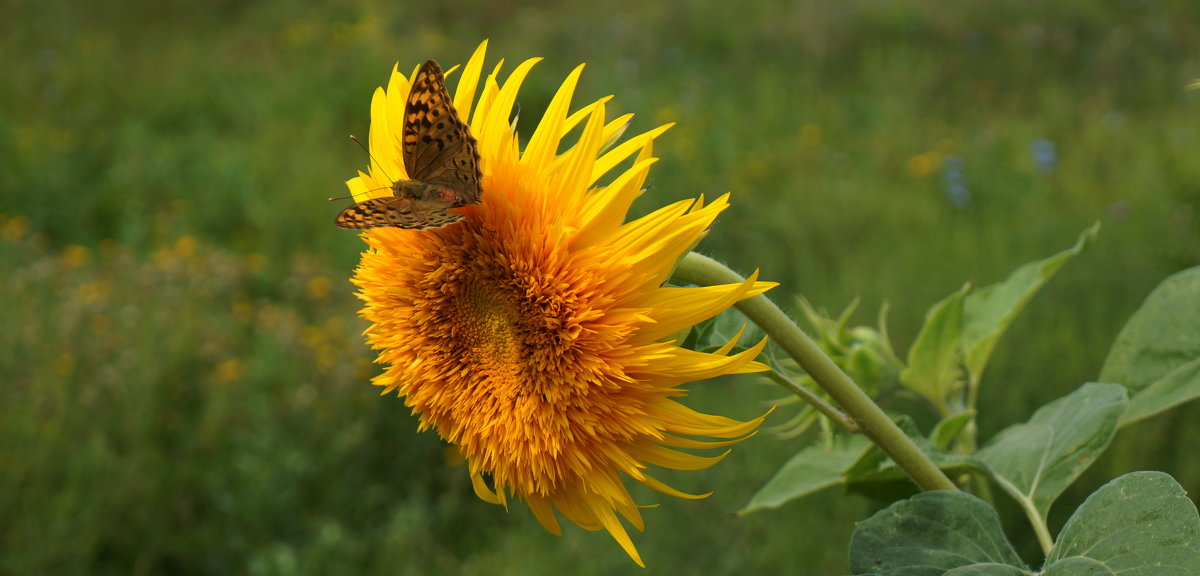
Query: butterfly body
{"x": 425, "y": 192}
{"x": 441, "y": 159}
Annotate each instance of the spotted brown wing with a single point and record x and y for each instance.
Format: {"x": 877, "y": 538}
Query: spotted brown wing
{"x": 437, "y": 146}
{"x": 395, "y": 212}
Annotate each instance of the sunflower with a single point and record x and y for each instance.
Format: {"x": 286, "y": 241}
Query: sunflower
{"x": 536, "y": 334}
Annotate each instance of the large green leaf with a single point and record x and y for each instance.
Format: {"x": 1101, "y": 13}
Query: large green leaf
{"x": 989, "y": 311}
{"x": 1036, "y": 460}
{"x": 1141, "y": 524}
{"x": 812, "y": 469}
{"x": 934, "y": 533}
{"x": 934, "y": 361}
{"x": 1157, "y": 354}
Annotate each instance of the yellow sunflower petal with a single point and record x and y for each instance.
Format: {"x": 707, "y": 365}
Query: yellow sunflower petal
{"x": 610, "y": 523}
{"x": 579, "y": 116}
{"x": 624, "y": 150}
{"x": 483, "y": 492}
{"x": 544, "y": 143}
{"x": 658, "y": 485}
{"x": 677, "y": 442}
{"x": 544, "y": 512}
{"x": 464, "y": 96}
{"x": 675, "y": 459}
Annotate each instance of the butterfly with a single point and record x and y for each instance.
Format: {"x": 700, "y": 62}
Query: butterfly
{"x": 441, "y": 159}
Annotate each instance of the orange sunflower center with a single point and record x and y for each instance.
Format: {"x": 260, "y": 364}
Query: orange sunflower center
{"x": 493, "y": 335}
{"x": 532, "y": 384}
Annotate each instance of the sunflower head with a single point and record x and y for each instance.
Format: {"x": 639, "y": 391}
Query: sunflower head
{"x": 535, "y": 334}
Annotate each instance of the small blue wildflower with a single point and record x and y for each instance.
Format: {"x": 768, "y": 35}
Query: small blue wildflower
{"x": 955, "y": 183}
{"x": 1045, "y": 156}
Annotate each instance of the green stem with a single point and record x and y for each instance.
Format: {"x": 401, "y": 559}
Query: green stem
{"x": 1031, "y": 512}
{"x": 967, "y": 440}
{"x": 875, "y": 424}
{"x": 830, "y": 411}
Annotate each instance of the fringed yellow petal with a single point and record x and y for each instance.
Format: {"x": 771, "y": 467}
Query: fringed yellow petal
{"x": 464, "y": 94}
{"x": 578, "y": 116}
{"x": 629, "y": 511}
{"x": 676, "y": 308}
{"x": 577, "y": 162}
{"x": 687, "y": 365}
{"x": 543, "y": 145}
{"x": 491, "y": 89}
{"x": 657, "y": 237}
{"x": 610, "y": 523}
{"x": 576, "y": 509}
{"x": 675, "y": 459}
{"x": 392, "y": 118}
{"x": 613, "y": 131}
{"x": 496, "y": 121}
{"x": 602, "y": 211}
{"x": 659, "y": 486}
{"x": 544, "y": 512}
{"x": 622, "y": 151}
{"x": 358, "y": 188}
{"x": 675, "y": 366}
{"x": 610, "y": 209}
{"x": 683, "y": 420}
{"x": 483, "y": 491}
{"x": 677, "y": 442}
{"x": 728, "y": 347}
{"x": 385, "y": 137}
{"x": 652, "y": 236}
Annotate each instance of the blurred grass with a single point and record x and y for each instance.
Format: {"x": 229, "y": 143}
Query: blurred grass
{"x": 184, "y": 388}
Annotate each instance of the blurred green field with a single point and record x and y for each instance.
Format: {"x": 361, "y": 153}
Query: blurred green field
{"x": 184, "y": 389}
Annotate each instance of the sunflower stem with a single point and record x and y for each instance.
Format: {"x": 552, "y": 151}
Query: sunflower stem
{"x": 874, "y": 423}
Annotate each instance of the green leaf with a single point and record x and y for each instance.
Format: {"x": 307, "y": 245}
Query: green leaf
{"x": 1157, "y": 354}
{"x": 717, "y": 331}
{"x": 813, "y": 469}
{"x": 698, "y": 335}
{"x": 934, "y": 533}
{"x": 947, "y": 430}
{"x": 1178, "y": 386}
{"x": 1036, "y": 460}
{"x": 934, "y": 360}
{"x": 1140, "y": 524}
{"x": 990, "y": 310}
{"x": 988, "y": 570}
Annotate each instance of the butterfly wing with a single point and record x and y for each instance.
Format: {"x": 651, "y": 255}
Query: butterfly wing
{"x": 395, "y": 212}
{"x": 462, "y": 175}
{"x": 438, "y": 147}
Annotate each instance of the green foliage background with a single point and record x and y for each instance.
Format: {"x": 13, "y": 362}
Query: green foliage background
{"x": 183, "y": 387}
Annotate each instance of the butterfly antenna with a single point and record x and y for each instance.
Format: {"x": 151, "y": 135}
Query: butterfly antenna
{"x": 372, "y": 157}
{"x": 360, "y": 144}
